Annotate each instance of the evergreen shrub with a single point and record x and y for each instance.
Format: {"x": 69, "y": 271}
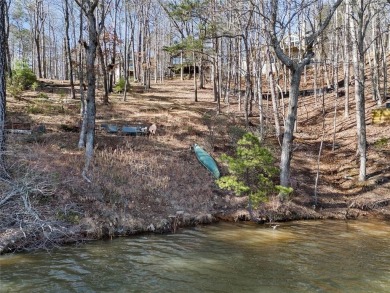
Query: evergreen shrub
{"x": 22, "y": 76}
{"x": 251, "y": 170}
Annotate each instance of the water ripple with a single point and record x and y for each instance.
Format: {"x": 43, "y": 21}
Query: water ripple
{"x": 307, "y": 256}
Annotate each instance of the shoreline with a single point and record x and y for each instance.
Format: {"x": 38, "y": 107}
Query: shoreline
{"x": 90, "y": 231}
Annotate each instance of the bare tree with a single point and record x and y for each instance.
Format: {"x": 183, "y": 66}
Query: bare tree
{"x": 83, "y": 112}
{"x": 39, "y": 19}
{"x": 126, "y": 53}
{"x": 88, "y": 7}
{"x": 274, "y": 98}
{"x": 346, "y": 59}
{"x": 361, "y": 15}
{"x": 276, "y": 28}
{"x": 358, "y": 27}
{"x": 103, "y": 61}
{"x": 7, "y": 30}
{"x": 115, "y": 40}
{"x": 248, "y": 79}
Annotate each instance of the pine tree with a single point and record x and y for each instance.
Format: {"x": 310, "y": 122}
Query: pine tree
{"x": 251, "y": 170}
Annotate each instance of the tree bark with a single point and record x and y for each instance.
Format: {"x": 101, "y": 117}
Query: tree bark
{"x": 38, "y": 24}
{"x": 89, "y": 9}
{"x": 273, "y": 94}
{"x": 195, "y": 81}
{"x": 104, "y": 73}
{"x": 125, "y": 55}
{"x": 335, "y": 80}
{"x": 69, "y": 55}
{"x": 248, "y": 83}
{"x": 357, "y": 34}
{"x": 289, "y": 126}
{"x": 7, "y": 28}
{"x": 3, "y": 68}
{"x": 113, "y": 57}
{"x": 346, "y": 61}
{"x": 83, "y": 112}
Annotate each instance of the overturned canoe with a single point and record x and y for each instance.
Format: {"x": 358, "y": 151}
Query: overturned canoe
{"x": 206, "y": 160}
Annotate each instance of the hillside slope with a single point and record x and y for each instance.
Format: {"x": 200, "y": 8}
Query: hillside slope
{"x": 155, "y": 183}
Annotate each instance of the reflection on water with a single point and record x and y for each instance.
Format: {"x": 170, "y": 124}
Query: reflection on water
{"x": 308, "y": 256}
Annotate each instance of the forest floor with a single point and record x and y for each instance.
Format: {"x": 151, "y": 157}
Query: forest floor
{"x": 155, "y": 183}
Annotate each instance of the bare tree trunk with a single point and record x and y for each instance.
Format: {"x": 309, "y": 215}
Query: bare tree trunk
{"x": 335, "y": 80}
{"x": 69, "y": 55}
{"x": 248, "y": 83}
{"x": 318, "y": 162}
{"x": 273, "y": 94}
{"x": 289, "y": 126}
{"x": 181, "y": 66}
{"x": 217, "y": 94}
{"x": 238, "y": 66}
{"x": 215, "y": 79}
{"x": 326, "y": 74}
{"x": 104, "y": 73}
{"x": 131, "y": 48}
{"x": 195, "y": 82}
{"x": 384, "y": 65}
{"x": 156, "y": 54}
{"x": 229, "y": 73}
{"x": 90, "y": 107}
{"x": 7, "y": 24}
{"x": 43, "y": 46}
{"x": 361, "y": 119}
{"x": 358, "y": 65}
{"x": 376, "y": 55}
{"x": 346, "y": 60}
{"x": 141, "y": 54}
{"x": 39, "y": 19}
{"x": 315, "y": 84}
{"x": 89, "y": 9}
{"x": 3, "y": 68}
{"x": 83, "y": 112}
{"x": 260, "y": 95}
{"x": 135, "y": 68}
{"x": 260, "y": 105}
{"x": 219, "y": 74}
{"x": 38, "y": 51}
{"x": 113, "y": 57}
{"x": 126, "y": 59}
{"x": 201, "y": 72}
{"x": 52, "y": 72}
{"x": 147, "y": 49}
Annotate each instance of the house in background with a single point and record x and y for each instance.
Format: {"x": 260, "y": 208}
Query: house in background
{"x": 292, "y": 46}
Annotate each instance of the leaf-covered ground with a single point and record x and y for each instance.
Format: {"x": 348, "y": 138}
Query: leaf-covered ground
{"x": 155, "y": 183}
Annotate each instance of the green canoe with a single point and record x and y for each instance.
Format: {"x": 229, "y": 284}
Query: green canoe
{"x": 206, "y": 160}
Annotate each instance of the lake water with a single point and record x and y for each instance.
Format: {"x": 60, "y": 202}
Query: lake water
{"x": 305, "y": 256}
